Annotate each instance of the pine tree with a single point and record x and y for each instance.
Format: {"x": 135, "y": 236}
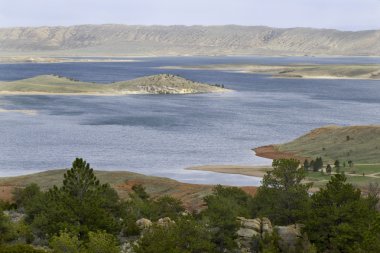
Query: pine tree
{"x": 80, "y": 180}
{"x": 306, "y": 165}
{"x": 328, "y": 168}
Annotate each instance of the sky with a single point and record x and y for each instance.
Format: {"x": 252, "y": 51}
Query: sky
{"x": 337, "y": 14}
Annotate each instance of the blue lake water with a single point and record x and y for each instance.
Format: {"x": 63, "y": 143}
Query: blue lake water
{"x": 163, "y": 134}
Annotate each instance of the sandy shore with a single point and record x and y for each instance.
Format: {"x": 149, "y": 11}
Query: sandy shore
{"x": 253, "y": 171}
{"x": 270, "y": 152}
{"x": 26, "y": 112}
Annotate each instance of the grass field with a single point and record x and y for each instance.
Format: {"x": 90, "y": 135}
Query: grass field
{"x": 359, "y": 175}
{"x": 122, "y": 181}
{"x": 360, "y": 144}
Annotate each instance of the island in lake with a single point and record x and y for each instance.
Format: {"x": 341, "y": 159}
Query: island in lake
{"x": 58, "y": 85}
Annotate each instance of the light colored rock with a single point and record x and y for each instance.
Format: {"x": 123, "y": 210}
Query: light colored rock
{"x": 166, "y": 221}
{"x": 143, "y": 223}
{"x": 247, "y": 232}
{"x": 185, "y": 213}
{"x": 266, "y": 226}
{"x": 250, "y": 228}
{"x": 260, "y": 225}
{"x": 14, "y": 216}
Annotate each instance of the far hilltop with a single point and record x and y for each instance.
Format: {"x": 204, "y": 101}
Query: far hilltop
{"x": 126, "y": 40}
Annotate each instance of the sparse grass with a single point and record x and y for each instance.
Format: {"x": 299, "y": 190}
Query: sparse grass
{"x": 359, "y": 144}
{"x": 354, "y": 175}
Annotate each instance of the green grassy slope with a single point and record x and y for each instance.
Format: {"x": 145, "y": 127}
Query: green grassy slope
{"x": 361, "y": 144}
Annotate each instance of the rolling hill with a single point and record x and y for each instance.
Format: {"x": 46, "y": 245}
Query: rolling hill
{"x": 126, "y": 40}
{"x": 360, "y": 144}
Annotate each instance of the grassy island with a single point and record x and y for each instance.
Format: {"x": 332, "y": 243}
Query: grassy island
{"x": 58, "y": 85}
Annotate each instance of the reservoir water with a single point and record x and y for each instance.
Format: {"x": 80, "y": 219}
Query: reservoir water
{"x": 163, "y": 134}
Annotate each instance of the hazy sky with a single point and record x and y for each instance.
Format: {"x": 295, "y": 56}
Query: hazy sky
{"x": 339, "y": 14}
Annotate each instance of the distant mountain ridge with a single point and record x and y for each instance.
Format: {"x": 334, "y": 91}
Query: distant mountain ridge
{"x": 126, "y": 40}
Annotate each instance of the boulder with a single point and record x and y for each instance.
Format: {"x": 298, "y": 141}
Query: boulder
{"x": 250, "y": 228}
{"x": 260, "y": 225}
{"x": 165, "y": 222}
{"x": 247, "y": 232}
{"x": 143, "y": 223}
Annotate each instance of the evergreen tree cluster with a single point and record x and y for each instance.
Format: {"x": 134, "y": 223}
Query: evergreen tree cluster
{"x": 84, "y": 215}
{"x": 314, "y": 165}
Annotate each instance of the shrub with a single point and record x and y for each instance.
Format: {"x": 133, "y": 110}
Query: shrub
{"x": 19, "y": 248}
{"x": 65, "y": 243}
{"x": 102, "y": 242}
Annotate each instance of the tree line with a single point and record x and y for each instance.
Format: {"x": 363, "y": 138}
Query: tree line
{"x": 84, "y": 215}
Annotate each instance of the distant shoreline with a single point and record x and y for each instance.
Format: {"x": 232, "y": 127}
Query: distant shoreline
{"x": 297, "y": 71}
{"x": 63, "y": 59}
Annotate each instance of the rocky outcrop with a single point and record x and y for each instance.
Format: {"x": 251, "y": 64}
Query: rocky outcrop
{"x": 251, "y": 228}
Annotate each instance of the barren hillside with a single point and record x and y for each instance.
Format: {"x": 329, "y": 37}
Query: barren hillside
{"x": 121, "y": 40}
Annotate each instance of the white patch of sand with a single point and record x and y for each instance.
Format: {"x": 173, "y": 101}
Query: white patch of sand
{"x": 26, "y": 112}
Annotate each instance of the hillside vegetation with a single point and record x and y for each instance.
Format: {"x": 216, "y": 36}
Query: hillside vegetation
{"x": 360, "y": 144}
{"x": 157, "y": 84}
{"x": 122, "y": 40}
{"x": 121, "y": 181}
{"x": 83, "y": 213}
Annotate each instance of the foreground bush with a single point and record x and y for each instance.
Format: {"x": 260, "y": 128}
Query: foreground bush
{"x": 184, "y": 236}
{"x": 223, "y": 206}
{"x": 20, "y": 248}
{"x": 98, "y": 242}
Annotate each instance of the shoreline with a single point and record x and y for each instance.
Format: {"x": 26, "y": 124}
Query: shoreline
{"x": 246, "y": 170}
{"x": 272, "y": 152}
{"x": 72, "y": 59}
{"x": 98, "y": 94}
{"x": 159, "y": 84}
{"x": 293, "y": 71}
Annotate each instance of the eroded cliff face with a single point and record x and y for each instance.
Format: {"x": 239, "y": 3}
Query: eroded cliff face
{"x": 186, "y": 40}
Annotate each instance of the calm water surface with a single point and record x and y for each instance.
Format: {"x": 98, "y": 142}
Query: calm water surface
{"x": 163, "y": 134}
